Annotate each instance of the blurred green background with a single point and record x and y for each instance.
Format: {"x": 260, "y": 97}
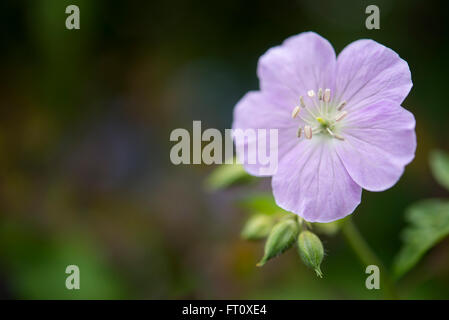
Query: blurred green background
{"x": 85, "y": 174}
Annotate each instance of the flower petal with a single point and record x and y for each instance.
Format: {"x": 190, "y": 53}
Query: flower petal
{"x": 368, "y": 72}
{"x": 258, "y": 110}
{"x": 380, "y": 141}
{"x": 312, "y": 182}
{"x": 303, "y": 62}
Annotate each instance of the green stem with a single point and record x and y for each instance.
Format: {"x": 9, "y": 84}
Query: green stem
{"x": 367, "y": 256}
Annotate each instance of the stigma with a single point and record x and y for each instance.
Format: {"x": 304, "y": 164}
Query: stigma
{"x": 323, "y": 114}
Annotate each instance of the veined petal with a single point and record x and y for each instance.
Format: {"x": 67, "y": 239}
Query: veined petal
{"x": 312, "y": 182}
{"x": 380, "y": 141}
{"x": 258, "y": 110}
{"x": 303, "y": 62}
{"x": 368, "y": 72}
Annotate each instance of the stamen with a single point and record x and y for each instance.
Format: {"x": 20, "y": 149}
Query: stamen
{"x": 311, "y": 94}
{"x": 341, "y": 105}
{"x": 316, "y": 130}
{"x": 295, "y": 112}
{"x": 308, "y": 132}
{"x": 327, "y": 95}
{"x": 341, "y": 116}
{"x": 303, "y": 118}
{"x": 321, "y": 114}
{"x": 301, "y": 101}
{"x": 339, "y": 137}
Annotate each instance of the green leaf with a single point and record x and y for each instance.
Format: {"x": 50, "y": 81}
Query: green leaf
{"x": 226, "y": 175}
{"x": 257, "y": 227}
{"x": 428, "y": 224}
{"x": 439, "y": 164}
{"x": 261, "y": 203}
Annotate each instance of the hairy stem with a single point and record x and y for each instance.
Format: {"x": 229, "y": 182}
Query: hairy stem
{"x": 367, "y": 256}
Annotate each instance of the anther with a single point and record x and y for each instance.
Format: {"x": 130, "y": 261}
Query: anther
{"x": 341, "y": 105}
{"x": 308, "y": 132}
{"x": 301, "y": 101}
{"x": 295, "y": 112}
{"x": 320, "y": 94}
{"x": 299, "y": 132}
{"x": 339, "y": 137}
{"x": 327, "y": 95}
{"x": 341, "y": 116}
{"x": 311, "y": 93}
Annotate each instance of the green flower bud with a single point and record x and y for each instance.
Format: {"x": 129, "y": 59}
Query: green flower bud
{"x": 281, "y": 238}
{"x": 311, "y": 251}
{"x": 257, "y": 227}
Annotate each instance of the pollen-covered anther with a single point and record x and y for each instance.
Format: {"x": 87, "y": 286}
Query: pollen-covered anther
{"x": 308, "y": 132}
{"x": 339, "y": 137}
{"x": 295, "y": 111}
{"x": 320, "y": 94}
{"x": 341, "y": 105}
{"x": 341, "y": 116}
{"x": 311, "y": 93}
{"x": 327, "y": 95}
{"x": 301, "y": 101}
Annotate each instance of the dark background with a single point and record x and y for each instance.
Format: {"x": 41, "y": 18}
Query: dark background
{"x": 85, "y": 173}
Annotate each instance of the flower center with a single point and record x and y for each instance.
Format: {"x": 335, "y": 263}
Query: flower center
{"x": 324, "y": 116}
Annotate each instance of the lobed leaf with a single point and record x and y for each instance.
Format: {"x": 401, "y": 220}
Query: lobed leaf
{"x": 428, "y": 224}
{"x": 226, "y": 175}
{"x": 439, "y": 164}
{"x": 258, "y": 226}
{"x": 262, "y": 203}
